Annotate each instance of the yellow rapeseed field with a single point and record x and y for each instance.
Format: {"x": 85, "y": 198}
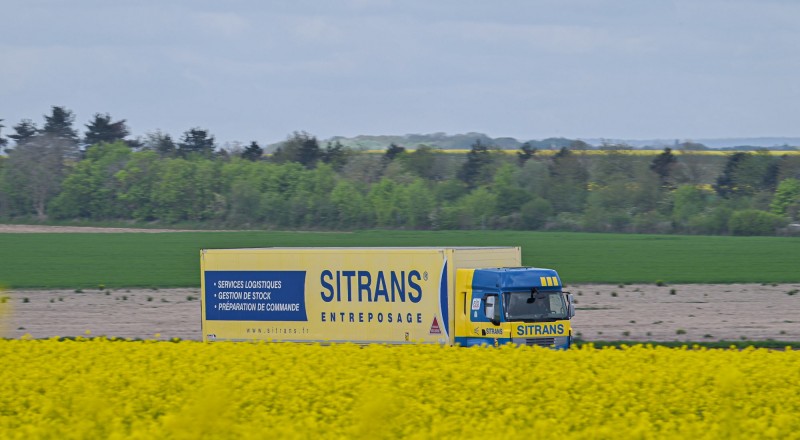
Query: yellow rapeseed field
{"x": 101, "y": 389}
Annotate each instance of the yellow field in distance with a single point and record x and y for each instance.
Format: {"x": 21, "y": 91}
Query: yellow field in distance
{"x": 632, "y": 152}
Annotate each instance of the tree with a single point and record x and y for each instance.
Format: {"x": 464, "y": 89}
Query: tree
{"x": 185, "y": 190}
{"x": 726, "y": 182}
{"x": 244, "y": 203}
{"x": 222, "y": 154}
{"x": 335, "y": 155}
{"x": 771, "y": 174}
{"x": 609, "y": 207}
{"x": 745, "y": 174}
{"x": 58, "y": 125}
{"x": 421, "y": 162}
{"x": 448, "y": 191}
{"x": 35, "y": 170}
{"x": 787, "y": 198}
{"x": 136, "y": 182}
{"x": 300, "y": 147}
{"x": 419, "y": 203}
{"x": 309, "y": 151}
{"x": 535, "y": 213}
{"x": 755, "y": 222}
{"x": 381, "y": 199}
{"x": 161, "y": 143}
{"x": 687, "y": 201}
{"x": 691, "y": 168}
{"x": 526, "y": 153}
{"x": 392, "y": 152}
{"x": 611, "y": 166}
{"x": 37, "y": 166}
{"x": 25, "y": 130}
{"x": 101, "y": 129}
{"x": 663, "y": 164}
{"x": 349, "y": 205}
{"x": 316, "y": 187}
{"x": 789, "y": 166}
{"x": 364, "y": 168}
{"x": 253, "y": 152}
{"x": 91, "y": 189}
{"x": 508, "y": 191}
{"x": 196, "y": 142}
{"x": 3, "y": 141}
{"x": 280, "y": 184}
{"x": 714, "y": 221}
{"x": 534, "y": 177}
{"x": 480, "y": 205}
{"x": 475, "y": 170}
{"x": 568, "y": 184}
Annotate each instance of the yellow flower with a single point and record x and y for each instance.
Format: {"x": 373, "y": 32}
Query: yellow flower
{"x": 102, "y": 388}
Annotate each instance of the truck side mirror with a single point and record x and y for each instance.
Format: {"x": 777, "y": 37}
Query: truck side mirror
{"x": 491, "y": 309}
{"x": 570, "y": 305}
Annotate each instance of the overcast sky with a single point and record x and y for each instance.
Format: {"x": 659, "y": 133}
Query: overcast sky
{"x": 259, "y": 70}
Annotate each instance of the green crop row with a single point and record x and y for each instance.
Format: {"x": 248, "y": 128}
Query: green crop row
{"x": 81, "y": 260}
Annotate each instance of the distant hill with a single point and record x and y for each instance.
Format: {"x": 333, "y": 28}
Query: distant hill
{"x": 718, "y": 143}
{"x": 444, "y": 141}
{"x": 465, "y": 141}
{"x": 437, "y": 140}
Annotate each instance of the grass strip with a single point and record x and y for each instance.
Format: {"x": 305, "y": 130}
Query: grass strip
{"x": 86, "y": 260}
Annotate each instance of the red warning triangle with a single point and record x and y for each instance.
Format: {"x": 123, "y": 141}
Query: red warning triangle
{"x": 435, "y": 330}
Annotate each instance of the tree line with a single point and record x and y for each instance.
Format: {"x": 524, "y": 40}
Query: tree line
{"x": 54, "y": 173}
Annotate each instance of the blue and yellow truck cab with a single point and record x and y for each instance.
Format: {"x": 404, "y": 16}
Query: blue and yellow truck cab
{"x": 513, "y": 305}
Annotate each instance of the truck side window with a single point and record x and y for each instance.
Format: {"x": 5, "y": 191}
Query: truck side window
{"x": 491, "y": 308}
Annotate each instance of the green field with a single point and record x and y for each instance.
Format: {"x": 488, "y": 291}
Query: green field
{"x": 85, "y": 260}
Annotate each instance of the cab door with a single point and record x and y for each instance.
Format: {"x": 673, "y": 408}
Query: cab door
{"x": 486, "y": 323}
{"x": 479, "y": 314}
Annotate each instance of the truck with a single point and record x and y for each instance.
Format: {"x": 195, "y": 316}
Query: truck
{"x": 392, "y": 295}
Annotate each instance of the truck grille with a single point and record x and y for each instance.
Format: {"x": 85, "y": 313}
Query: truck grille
{"x": 541, "y": 342}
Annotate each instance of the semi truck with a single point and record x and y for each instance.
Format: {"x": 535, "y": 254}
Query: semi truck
{"x": 443, "y": 295}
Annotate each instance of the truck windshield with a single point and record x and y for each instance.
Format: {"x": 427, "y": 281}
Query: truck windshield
{"x": 534, "y": 306}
